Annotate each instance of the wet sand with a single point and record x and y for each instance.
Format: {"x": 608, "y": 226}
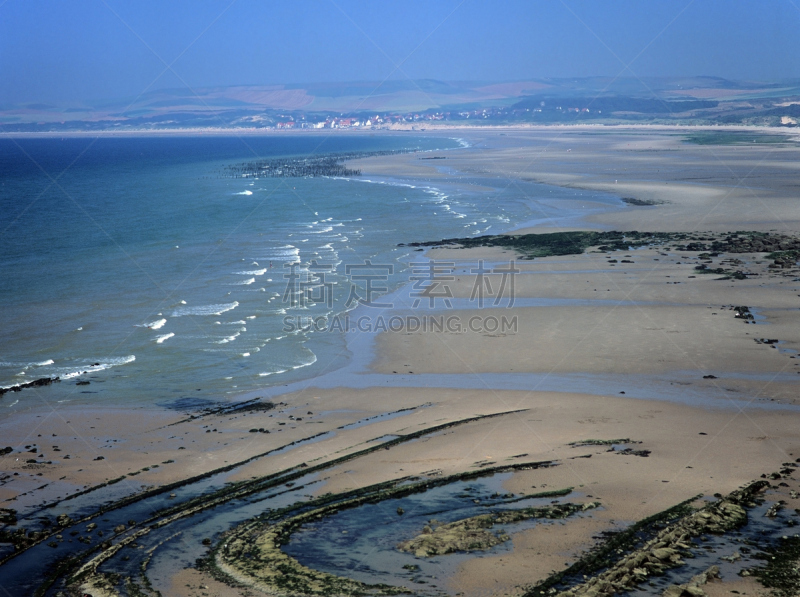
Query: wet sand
{"x": 653, "y": 319}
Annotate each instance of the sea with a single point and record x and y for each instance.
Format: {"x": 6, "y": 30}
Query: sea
{"x": 139, "y": 265}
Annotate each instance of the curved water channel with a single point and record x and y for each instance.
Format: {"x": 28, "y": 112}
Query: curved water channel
{"x": 171, "y": 522}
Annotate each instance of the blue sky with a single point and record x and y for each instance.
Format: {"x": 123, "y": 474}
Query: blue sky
{"x": 61, "y": 52}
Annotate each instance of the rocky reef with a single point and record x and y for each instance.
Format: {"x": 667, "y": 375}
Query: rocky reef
{"x": 475, "y": 533}
{"x": 667, "y": 549}
{"x": 330, "y": 164}
{"x": 783, "y": 249}
{"x": 44, "y": 381}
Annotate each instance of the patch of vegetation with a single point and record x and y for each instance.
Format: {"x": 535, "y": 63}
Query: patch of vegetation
{"x": 781, "y": 255}
{"x": 727, "y": 274}
{"x": 781, "y": 572}
{"x": 613, "y": 103}
{"x": 557, "y": 243}
{"x": 603, "y": 442}
{"x": 8, "y": 516}
{"x": 530, "y": 246}
{"x": 642, "y": 202}
{"x": 331, "y": 164}
{"x": 733, "y": 138}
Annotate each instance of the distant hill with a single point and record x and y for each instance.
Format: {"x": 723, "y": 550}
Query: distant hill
{"x": 684, "y": 99}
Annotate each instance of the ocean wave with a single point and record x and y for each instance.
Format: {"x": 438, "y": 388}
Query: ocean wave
{"x": 254, "y": 272}
{"x": 310, "y": 361}
{"x": 228, "y": 339}
{"x": 245, "y": 192}
{"x": 100, "y": 365}
{"x": 153, "y": 325}
{"x": 163, "y": 338}
{"x": 245, "y": 282}
{"x": 205, "y": 309}
{"x": 268, "y": 373}
{"x": 26, "y": 366}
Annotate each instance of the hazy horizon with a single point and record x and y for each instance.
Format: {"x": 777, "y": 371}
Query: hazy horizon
{"x": 61, "y": 54}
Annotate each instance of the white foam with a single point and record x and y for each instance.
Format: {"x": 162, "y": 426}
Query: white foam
{"x": 153, "y": 325}
{"x": 205, "y": 309}
{"x": 110, "y": 362}
{"x": 268, "y": 373}
{"x": 254, "y": 272}
{"x": 244, "y": 193}
{"x": 245, "y": 354}
{"x": 28, "y": 365}
{"x": 163, "y": 338}
{"x": 245, "y": 282}
{"x": 228, "y": 339}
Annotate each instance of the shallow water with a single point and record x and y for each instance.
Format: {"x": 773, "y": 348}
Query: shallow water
{"x": 147, "y": 274}
{"x": 361, "y": 543}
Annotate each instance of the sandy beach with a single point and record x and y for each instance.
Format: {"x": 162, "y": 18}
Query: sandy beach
{"x": 650, "y": 349}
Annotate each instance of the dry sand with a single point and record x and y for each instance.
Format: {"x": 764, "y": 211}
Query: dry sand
{"x": 704, "y": 187}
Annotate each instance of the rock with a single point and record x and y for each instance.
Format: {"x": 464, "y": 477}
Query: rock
{"x": 694, "y": 587}
{"x": 44, "y": 381}
{"x": 664, "y": 553}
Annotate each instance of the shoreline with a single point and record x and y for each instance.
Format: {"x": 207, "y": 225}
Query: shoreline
{"x": 669, "y": 333}
{"x": 415, "y": 129}
{"x": 365, "y": 352}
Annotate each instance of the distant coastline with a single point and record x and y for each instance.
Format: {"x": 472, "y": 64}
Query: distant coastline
{"x": 253, "y": 131}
